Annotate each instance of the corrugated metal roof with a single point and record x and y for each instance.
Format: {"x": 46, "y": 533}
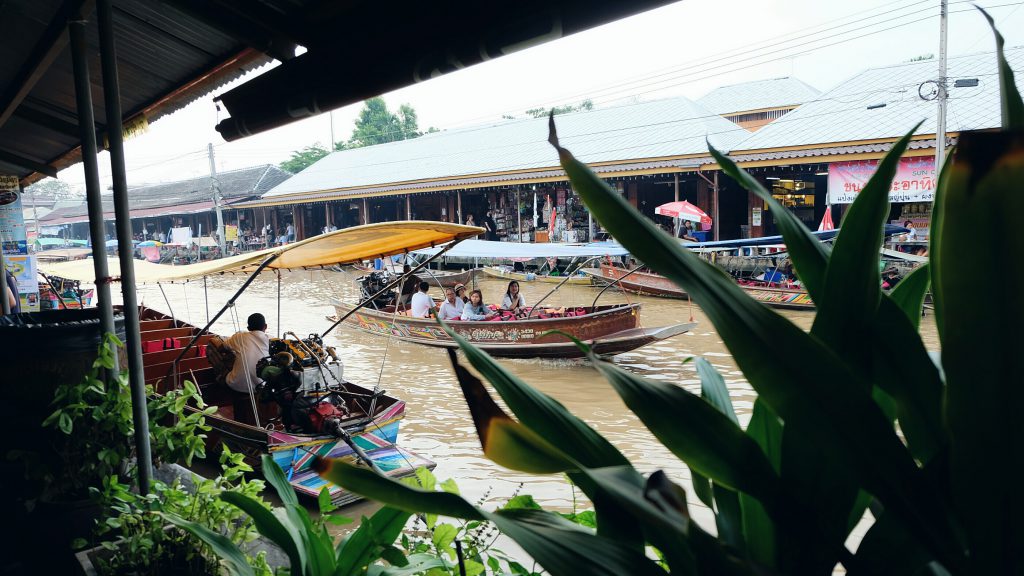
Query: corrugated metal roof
{"x": 166, "y": 59}
{"x": 758, "y": 94}
{"x": 882, "y": 103}
{"x": 183, "y": 196}
{"x": 821, "y": 151}
{"x": 658, "y": 129}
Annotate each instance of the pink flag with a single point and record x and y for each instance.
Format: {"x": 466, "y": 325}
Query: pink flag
{"x": 826, "y": 221}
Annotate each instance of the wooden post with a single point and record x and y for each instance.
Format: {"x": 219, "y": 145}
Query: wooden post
{"x": 714, "y": 200}
{"x": 458, "y": 199}
{"x": 678, "y": 221}
{"x": 519, "y": 215}
{"x": 366, "y": 212}
{"x": 408, "y": 207}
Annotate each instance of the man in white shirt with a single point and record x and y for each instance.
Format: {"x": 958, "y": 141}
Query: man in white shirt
{"x": 422, "y": 302}
{"x": 290, "y": 232}
{"x": 450, "y": 309}
{"x": 249, "y": 348}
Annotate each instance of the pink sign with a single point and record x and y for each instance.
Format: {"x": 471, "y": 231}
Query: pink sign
{"x": 914, "y": 182}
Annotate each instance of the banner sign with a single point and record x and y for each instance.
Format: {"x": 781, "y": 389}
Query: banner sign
{"x": 14, "y": 243}
{"x": 915, "y": 180}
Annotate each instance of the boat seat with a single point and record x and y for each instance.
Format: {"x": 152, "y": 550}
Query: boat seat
{"x": 156, "y": 372}
{"x": 185, "y": 332}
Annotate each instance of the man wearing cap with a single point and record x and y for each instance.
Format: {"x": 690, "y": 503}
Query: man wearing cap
{"x": 249, "y": 347}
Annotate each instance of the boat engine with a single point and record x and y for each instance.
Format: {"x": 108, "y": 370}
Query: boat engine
{"x": 320, "y": 414}
{"x": 303, "y": 408}
{"x": 371, "y": 284}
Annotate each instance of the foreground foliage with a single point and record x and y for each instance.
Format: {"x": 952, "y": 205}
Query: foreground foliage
{"x": 822, "y": 445}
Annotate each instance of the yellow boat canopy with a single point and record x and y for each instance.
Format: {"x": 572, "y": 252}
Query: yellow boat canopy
{"x": 347, "y": 246}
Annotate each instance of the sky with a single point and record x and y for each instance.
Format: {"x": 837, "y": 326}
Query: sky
{"x": 684, "y": 49}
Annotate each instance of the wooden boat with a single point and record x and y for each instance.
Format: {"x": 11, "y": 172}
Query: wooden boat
{"x": 608, "y": 330}
{"x": 641, "y": 283}
{"x": 506, "y": 273}
{"x": 294, "y": 452}
{"x": 776, "y": 297}
{"x": 446, "y": 278}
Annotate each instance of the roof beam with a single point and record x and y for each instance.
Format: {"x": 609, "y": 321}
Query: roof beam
{"x": 47, "y": 120}
{"x": 46, "y": 50}
{"x": 28, "y": 164}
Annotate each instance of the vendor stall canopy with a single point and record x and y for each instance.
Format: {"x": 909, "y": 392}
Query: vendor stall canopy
{"x": 172, "y": 52}
{"x": 346, "y": 246}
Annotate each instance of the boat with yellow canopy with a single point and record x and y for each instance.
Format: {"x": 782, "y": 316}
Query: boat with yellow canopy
{"x": 313, "y": 410}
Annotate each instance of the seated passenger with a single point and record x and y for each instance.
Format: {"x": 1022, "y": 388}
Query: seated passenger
{"x": 450, "y": 309}
{"x": 514, "y": 301}
{"x": 249, "y": 347}
{"x": 460, "y": 297}
{"x": 475, "y": 308}
{"x": 422, "y": 303}
{"x": 409, "y": 286}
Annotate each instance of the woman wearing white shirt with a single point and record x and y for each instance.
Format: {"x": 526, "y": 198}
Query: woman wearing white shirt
{"x": 449, "y": 309}
{"x": 514, "y": 300}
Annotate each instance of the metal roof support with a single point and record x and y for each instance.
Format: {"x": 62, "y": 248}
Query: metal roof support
{"x": 43, "y": 54}
{"x": 90, "y": 163}
{"x": 26, "y": 163}
{"x": 123, "y": 225}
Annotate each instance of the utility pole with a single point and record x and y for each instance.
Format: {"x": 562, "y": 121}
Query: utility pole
{"x": 216, "y": 201}
{"x": 940, "y": 130}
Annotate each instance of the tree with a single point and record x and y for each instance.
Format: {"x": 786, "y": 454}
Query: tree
{"x": 51, "y": 188}
{"x": 583, "y": 106}
{"x": 378, "y": 125}
{"x": 302, "y": 159}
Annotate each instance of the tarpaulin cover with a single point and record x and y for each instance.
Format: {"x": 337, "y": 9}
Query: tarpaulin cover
{"x": 499, "y": 250}
{"x": 346, "y": 246}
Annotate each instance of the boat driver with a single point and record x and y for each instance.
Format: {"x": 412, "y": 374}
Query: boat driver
{"x": 409, "y": 286}
{"x": 422, "y": 303}
{"x": 249, "y": 346}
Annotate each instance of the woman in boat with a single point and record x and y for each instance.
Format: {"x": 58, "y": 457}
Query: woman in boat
{"x": 461, "y": 299}
{"x": 514, "y": 300}
{"x": 476, "y": 309}
{"x": 470, "y": 221}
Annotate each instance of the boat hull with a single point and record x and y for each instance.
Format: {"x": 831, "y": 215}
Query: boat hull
{"x": 640, "y": 283}
{"x": 446, "y": 278}
{"x": 497, "y": 272}
{"x": 294, "y": 452}
{"x": 608, "y": 330}
{"x": 783, "y": 298}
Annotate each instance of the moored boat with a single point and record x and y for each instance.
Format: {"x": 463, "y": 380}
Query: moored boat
{"x": 640, "y": 283}
{"x": 611, "y": 329}
{"x": 778, "y": 297}
{"x": 376, "y": 432}
{"x": 444, "y": 278}
{"x": 507, "y": 273}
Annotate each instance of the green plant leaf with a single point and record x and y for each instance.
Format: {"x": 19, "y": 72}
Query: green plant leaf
{"x": 561, "y": 547}
{"x": 849, "y": 302}
{"x": 418, "y": 564}
{"x": 358, "y": 550}
{"x": 910, "y": 292}
{"x": 270, "y": 525}
{"x": 697, "y": 432}
{"x": 979, "y": 353}
{"x": 714, "y": 390}
{"x": 541, "y": 413}
{"x": 838, "y": 407}
{"x": 505, "y": 441}
{"x": 1009, "y": 97}
{"x": 702, "y": 488}
{"x": 234, "y": 559}
{"x": 273, "y": 473}
{"x": 802, "y": 246}
{"x": 758, "y": 529}
{"x": 887, "y": 550}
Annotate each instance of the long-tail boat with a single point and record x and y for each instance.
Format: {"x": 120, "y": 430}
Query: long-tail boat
{"x": 506, "y": 273}
{"x": 361, "y": 423}
{"x": 635, "y": 282}
{"x": 611, "y": 329}
{"x": 444, "y": 278}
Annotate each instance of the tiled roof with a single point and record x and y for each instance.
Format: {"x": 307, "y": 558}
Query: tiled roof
{"x": 658, "y": 129}
{"x": 758, "y": 94}
{"x": 882, "y": 103}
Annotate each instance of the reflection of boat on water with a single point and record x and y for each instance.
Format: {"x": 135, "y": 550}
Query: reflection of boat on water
{"x": 641, "y": 283}
{"x": 506, "y": 273}
{"x": 314, "y": 411}
{"x": 607, "y": 329}
{"x": 374, "y": 432}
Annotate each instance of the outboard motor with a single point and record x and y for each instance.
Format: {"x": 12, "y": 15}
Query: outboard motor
{"x": 371, "y": 284}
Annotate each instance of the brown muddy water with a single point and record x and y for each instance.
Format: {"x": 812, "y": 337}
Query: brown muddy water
{"x": 438, "y": 425}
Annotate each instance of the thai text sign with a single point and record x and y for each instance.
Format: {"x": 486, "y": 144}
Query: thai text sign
{"x": 914, "y": 182}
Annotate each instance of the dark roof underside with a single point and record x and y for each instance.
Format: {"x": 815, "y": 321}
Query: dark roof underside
{"x": 171, "y": 52}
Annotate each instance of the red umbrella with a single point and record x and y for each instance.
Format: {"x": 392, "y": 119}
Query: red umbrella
{"x": 826, "y": 220}
{"x": 684, "y": 211}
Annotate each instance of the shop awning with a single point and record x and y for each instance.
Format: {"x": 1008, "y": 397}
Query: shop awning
{"x": 341, "y": 247}
{"x": 499, "y": 250}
